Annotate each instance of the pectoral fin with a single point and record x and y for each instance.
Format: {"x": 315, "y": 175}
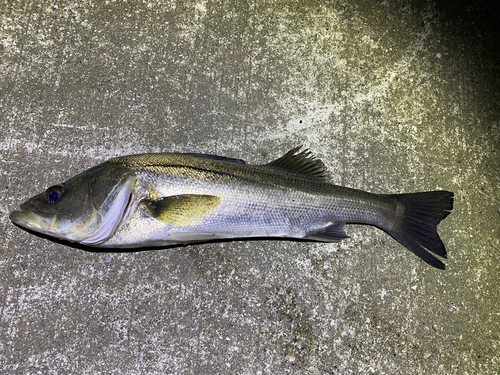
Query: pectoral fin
{"x": 182, "y": 210}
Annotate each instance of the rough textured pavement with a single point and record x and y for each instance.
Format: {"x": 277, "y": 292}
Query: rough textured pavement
{"x": 393, "y": 96}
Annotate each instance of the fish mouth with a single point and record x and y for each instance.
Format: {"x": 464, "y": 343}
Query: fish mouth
{"x": 19, "y": 218}
{"x": 32, "y": 220}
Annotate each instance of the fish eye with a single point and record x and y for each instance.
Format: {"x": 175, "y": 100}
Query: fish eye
{"x": 53, "y": 193}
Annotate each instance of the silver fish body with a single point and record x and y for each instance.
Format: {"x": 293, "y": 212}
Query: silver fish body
{"x": 167, "y": 199}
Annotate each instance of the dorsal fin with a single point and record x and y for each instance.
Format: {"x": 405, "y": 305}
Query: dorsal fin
{"x": 301, "y": 163}
{"x": 216, "y": 157}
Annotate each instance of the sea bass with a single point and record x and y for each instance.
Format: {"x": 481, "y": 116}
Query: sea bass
{"x": 166, "y": 199}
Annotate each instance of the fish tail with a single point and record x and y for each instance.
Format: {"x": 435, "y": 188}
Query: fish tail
{"x": 416, "y": 229}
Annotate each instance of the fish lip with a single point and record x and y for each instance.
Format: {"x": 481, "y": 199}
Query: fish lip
{"x": 31, "y": 220}
{"x": 19, "y": 217}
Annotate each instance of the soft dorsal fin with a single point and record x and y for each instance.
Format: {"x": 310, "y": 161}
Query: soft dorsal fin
{"x": 215, "y": 157}
{"x": 301, "y": 163}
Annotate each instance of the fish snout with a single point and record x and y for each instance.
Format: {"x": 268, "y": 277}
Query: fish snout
{"x": 19, "y": 218}
{"x": 31, "y": 220}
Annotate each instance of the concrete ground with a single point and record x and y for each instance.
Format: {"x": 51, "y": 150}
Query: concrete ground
{"x": 393, "y": 96}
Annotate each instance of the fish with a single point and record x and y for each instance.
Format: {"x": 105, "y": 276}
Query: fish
{"x": 166, "y": 199}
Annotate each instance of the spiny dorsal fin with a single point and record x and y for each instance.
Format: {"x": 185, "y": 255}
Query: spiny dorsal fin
{"x": 301, "y": 163}
{"x": 181, "y": 210}
{"x": 215, "y": 157}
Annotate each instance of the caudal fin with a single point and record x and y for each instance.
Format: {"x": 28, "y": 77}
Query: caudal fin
{"x": 417, "y": 230}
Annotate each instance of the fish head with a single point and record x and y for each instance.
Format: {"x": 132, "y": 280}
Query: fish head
{"x": 87, "y": 208}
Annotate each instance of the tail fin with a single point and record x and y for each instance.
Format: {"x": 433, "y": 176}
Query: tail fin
{"x": 417, "y": 230}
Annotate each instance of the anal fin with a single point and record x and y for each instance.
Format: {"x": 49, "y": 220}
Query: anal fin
{"x": 331, "y": 233}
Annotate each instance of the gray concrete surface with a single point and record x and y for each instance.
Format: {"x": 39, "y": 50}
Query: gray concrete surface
{"x": 392, "y": 96}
